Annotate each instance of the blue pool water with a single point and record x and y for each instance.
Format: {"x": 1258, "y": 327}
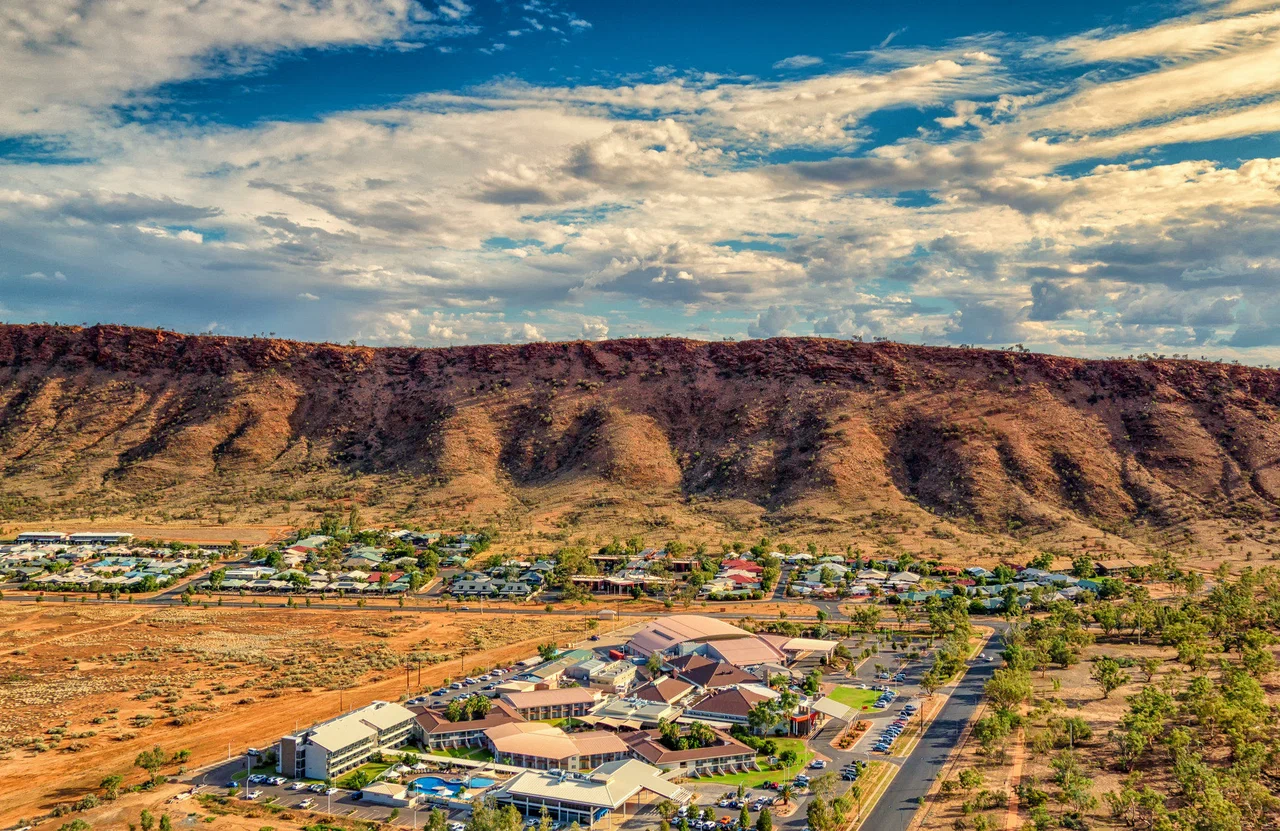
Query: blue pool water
{"x": 429, "y": 784}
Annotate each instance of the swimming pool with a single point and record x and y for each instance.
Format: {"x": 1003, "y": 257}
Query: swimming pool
{"x": 453, "y": 785}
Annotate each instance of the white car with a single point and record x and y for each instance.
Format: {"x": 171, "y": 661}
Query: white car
{"x": 254, "y": 794}
{"x": 330, "y": 791}
{"x": 306, "y": 803}
{"x": 298, "y": 786}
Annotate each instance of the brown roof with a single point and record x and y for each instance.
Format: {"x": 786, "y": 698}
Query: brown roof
{"x": 433, "y": 722}
{"x": 665, "y": 690}
{"x": 734, "y": 702}
{"x": 647, "y": 744}
{"x": 547, "y": 742}
{"x": 1118, "y": 565}
{"x": 708, "y": 673}
{"x": 551, "y": 698}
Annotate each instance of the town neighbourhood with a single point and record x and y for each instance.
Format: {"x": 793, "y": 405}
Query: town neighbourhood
{"x": 681, "y": 719}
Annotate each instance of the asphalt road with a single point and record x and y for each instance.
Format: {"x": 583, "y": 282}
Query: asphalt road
{"x": 916, "y": 774}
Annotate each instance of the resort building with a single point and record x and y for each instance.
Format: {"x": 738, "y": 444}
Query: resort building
{"x": 589, "y": 799}
{"x": 727, "y": 755}
{"x": 542, "y": 704}
{"x": 543, "y": 747}
{"x": 334, "y": 747}
{"x": 433, "y": 731}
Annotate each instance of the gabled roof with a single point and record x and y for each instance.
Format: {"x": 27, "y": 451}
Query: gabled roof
{"x": 434, "y": 723}
{"x": 647, "y": 744}
{"x": 665, "y": 690}
{"x": 708, "y": 673}
{"x": 732, "y": 702}
{"x": 551, "y": 698}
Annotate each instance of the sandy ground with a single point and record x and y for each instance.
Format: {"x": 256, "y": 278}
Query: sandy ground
{"x": 93, "y": 685}
{"x": 1077, "y": 695}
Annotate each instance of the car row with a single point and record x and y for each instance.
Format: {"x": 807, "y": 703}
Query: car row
{"x": 891, "y": 733}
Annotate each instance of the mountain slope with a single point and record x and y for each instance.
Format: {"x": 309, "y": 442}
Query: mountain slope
{"x": 672, "y": 435}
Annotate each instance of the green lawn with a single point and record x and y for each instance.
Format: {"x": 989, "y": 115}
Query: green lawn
{"x": 476, "y": 754}
{"x": 562, "y": 723}
{"x": 756, "y": 779}
{"x": 854, "y": 697}
{"x": 371, "y": 769}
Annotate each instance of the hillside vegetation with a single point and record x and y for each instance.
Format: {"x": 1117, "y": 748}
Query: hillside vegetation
{"x": 924, "y": 447}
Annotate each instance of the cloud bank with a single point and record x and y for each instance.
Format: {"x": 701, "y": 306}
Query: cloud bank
{"x": 1111, "y": 192}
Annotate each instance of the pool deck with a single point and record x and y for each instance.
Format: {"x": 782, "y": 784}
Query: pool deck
{"x": 476, "y": 766}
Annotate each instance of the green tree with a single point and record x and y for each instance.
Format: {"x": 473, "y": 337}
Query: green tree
{"x": 488, "y": 816}
{"x": 764, "y": 822}
{"x": 1007, "y": 688}
{"x": 165, "y": 823}
{"x": 151, "y": 760}
{"x": 970, "y": 779}
{"x": 111, "y": 786}
{"x": 1108, "y": 675}
{"x": 147, "y": 821}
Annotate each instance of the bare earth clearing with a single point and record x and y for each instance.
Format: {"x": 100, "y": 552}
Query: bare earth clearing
{"x": 84, "y": 688}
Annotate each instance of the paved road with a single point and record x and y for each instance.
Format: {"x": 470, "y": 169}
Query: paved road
{"x": 915, "y": 776}
{"x": 270, "y": 601}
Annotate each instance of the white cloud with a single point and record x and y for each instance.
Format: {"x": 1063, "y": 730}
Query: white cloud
{"x": 516, "y": 212}
{"x": 67, "y": 59}
{"x": 798, "y": 62}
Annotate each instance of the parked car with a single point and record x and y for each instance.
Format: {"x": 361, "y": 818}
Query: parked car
{"x": 817, "y": 764}
{"x": 254, "y": 794}
{"x": 594, "y": 638}
{"x": 317, "y": 788}
{"x": 357, "y": 796}
{"x": 330, "y": 791}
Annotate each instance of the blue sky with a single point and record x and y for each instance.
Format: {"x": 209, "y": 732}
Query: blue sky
{"x": 1092, "y": 179}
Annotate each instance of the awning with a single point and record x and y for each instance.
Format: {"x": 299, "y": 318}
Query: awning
{"x": 833, "y": 708}
{"x": 632, "y": 724}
